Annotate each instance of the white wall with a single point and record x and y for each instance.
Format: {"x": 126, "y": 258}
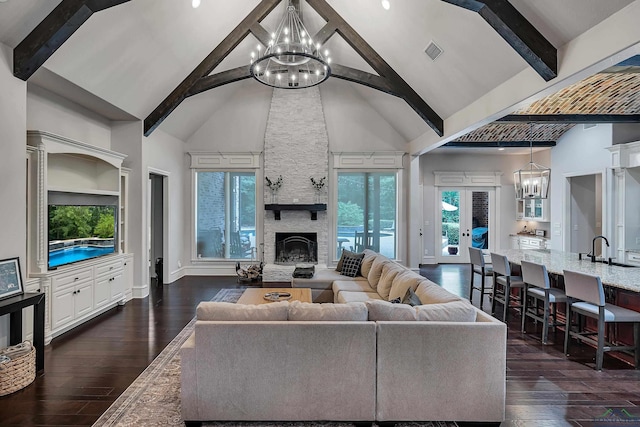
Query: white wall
{"x": 165, "y": 154}
{"x": 475, "y": 162}
{"x": 626, "y": 132}
{"x": 577, "y": 152}
{"x": 238, "y": 126}
{"x": 49, "y": 112}
{"x": 13, "y": 140}
{"x": 352, "y": 124}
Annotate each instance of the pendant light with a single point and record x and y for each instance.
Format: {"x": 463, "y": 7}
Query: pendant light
{"x": 532, "y": 180}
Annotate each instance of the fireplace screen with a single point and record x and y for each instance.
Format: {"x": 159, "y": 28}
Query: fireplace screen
{"x": 292, "y": 248}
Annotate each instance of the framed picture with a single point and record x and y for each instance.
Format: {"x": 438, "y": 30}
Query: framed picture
{"x": 10, "y": 278}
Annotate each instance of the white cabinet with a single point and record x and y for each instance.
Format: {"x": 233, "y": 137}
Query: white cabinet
{"x": 71, "y": 296}
{"x": 532, "y": 209}
{"x": 527, "y": 242}
{"x": 514, "y": 242}
{"x": 127, "y": 277}
{"x": 633, "y": 258}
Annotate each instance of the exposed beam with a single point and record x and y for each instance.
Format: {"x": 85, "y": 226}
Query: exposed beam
{"x": 376, "y": 62}
{"x": 207, "y": 65}
{"x": 516, "y": 30}
{"x": 220, "y": 79}
{"x": 363, "y": 78}
{"x": 52, "y": 32}
{"x": 325, "y": 33}
{"x": 260, "y": 33}
{"x": 500, "y": 144}
{"x": 570, "y": 118}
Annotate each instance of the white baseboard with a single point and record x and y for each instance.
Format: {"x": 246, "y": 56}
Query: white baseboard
{"x": 210, "y": 270}
{"x": 429, "y": 260}
{"x": 177, "y": 274}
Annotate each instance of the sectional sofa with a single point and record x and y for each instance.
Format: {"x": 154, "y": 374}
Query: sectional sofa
{"x": 361, "y": 359}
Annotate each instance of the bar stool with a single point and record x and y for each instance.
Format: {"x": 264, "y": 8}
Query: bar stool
{"x": 585, "y": 296}
{"x": 478, "y": 266}
{"x": 503, "y": 279}
{"x": 538, "y": 287}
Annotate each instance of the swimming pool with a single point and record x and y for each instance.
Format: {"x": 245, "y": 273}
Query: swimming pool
{"x": 76, "y": 253}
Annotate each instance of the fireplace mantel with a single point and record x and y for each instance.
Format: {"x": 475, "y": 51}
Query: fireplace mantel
{"x": 312, "y": 208}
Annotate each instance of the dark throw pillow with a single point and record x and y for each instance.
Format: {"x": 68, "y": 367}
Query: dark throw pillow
{"x": 411, "y": 298}
{"x": 396, "y": 301}
{"x": 346, "y": 252}
{"x": 351, "y": 265}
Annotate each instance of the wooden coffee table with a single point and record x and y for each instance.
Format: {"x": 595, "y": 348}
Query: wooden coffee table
{"x": 256, "y": 295}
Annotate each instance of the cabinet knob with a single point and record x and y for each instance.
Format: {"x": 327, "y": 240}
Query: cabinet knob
{"x": 78, "y": 290}
{"x": 77, "y": 278}
{"x": 74, "y": 292}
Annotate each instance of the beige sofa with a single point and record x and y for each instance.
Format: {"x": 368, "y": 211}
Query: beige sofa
{"x": 443, "y": 360}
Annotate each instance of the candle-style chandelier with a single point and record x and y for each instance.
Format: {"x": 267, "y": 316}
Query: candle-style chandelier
{"x": 291, "y": 60}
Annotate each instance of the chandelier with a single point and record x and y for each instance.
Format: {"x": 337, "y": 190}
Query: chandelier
{"x": 291, "y": 60}
{"x": 532, "y": 181}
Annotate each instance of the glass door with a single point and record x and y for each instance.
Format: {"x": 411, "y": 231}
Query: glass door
{"x": 465, "y": 219}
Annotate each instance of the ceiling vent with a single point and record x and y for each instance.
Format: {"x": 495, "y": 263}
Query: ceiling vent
{"x": 433, "y": 51}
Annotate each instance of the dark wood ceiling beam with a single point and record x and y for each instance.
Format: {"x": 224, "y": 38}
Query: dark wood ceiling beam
{"x": 260, "y": 33}
{"x": 52, "y": 32}
{"x": 325, "y": 33}
{"x": 500, "y": 144}
{"x": 570, "y": 118}
{"x": 220, "y": 79}
{"x": 376, "y": 62}
{"x": 207, "y": 65}
{"x": 516, "y": 30}
{"x": 362, "y": 77}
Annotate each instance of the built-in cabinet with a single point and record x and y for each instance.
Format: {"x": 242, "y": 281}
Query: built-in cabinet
{"x": 80, "y": 291}
{"x": 527, "y": 242}
{"x": 532, "y": 210}
{"x": 625, "y": 160}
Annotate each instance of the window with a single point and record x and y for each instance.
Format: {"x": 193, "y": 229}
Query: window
{"x": 367, "y": 212}
{"x": 225, "y": 215}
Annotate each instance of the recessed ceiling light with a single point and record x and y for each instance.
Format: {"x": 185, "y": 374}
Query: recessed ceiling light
{"x": 386, "y": 4}
{"x": 501, "y": 149}
{"x": 195, "y": 3}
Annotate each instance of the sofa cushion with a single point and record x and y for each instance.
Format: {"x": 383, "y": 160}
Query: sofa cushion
{"x": 430, "y": 293}
{"x": 367, "y": 261}
{"x": 389, "y": 273}
{"x": 323, "y": 279}
{"x": 223, "y": 311}
{"x": 345, "y": 252}
{"x": 305, "y": 311}
{"x": 402, "y": 282}
{"x": 351, "y": 286}
{"x": 351, "y": 265}
{"x": 385, "y": 311}
{"x": 344, "y": 297}
{"x": 376, "y": 270}
{"x": 454, "y": 311}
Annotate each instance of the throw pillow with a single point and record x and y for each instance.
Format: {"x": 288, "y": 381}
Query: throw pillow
{"x": 396, "y": 301}
{"x": 367, "y": 261}
{"x": 304, "y": 311}
{"x": 455, "y": 311}
{"x": 351, "y": 265}
{"x": 346, "y": 252}
{"x": 411, "y": 298}
{"x": 227, "y": 311}
{"x": 376, "y": 270}
{"x": 430, "y": 293}
{"x": 385, "y": 311}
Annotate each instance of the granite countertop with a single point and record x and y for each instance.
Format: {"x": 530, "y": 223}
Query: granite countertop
{"x": 627, "y": 278}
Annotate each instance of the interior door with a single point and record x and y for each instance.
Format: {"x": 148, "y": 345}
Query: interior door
{"x": 465, "y": 219}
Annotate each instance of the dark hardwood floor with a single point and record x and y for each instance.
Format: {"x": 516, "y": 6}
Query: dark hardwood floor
{"x": 87, "y": 368}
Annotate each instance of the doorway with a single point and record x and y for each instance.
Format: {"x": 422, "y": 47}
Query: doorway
{"x": 465, "y": 218}
{"x": 585, "y": 210}
{"x": 156, "y": 228}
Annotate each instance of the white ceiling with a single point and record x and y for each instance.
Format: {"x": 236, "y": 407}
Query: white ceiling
{"x": 128, "y": 58}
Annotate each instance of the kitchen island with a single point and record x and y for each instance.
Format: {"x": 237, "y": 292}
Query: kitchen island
{"x": 626, "y": 278}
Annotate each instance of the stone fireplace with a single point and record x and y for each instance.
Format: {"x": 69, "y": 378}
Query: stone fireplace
{"x": 296, "y": 147}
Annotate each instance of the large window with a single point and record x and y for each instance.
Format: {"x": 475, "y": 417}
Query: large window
{"x": 367, "y": 212}
{"x": 225, "y": 214}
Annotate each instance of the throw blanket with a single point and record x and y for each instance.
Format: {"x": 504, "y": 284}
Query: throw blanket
{"x": 303, "y": 272}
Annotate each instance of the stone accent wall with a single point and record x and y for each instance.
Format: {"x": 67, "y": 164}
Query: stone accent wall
{"x": 296, "y": 146}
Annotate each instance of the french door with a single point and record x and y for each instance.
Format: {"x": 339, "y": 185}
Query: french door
{"x": 465, "y": 217}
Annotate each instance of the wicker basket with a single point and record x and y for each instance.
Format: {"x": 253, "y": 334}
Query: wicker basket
{"x": 18, "y": 373}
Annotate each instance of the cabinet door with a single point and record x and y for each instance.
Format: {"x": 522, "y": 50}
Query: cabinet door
{"x": 128, "y": 277}
{"x": 117, "y": 287}
{"x": 515, "y": 242}
{"x": 83, "y": 299}
{"x": 102, "y": 291}
{"x": 62, "y": 308}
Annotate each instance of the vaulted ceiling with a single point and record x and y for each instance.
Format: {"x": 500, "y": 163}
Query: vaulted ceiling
{"x": 126, "y": 60}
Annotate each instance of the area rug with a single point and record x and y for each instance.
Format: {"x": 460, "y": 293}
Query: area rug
{"x": 153, "y": 399}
